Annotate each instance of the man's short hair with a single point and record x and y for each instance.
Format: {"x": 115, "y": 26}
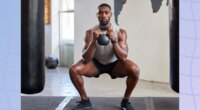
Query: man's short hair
{"x": 104, "y": 4}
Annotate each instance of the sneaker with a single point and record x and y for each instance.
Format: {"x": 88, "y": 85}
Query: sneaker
{"x": 83, "y": 105}
{"x": 125, "y": 105}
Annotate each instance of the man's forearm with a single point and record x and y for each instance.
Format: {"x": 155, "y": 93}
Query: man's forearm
{"x": 120, "y": 52}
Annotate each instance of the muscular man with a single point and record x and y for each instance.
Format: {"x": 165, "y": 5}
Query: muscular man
{"x": 111, "y": 59}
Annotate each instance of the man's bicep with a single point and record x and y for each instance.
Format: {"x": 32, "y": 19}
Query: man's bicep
{"x": 123, "y": 44}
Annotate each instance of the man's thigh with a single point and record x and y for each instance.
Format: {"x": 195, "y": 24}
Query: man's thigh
{"x": 86, "y": 69}
{"x": 123, "y": 69}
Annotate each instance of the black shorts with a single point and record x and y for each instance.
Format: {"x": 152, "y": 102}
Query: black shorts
{"x": 104, "y": 68}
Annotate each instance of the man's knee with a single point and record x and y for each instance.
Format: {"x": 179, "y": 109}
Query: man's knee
{"x": 73, "y": 70}
{"x": 135, "y": 71}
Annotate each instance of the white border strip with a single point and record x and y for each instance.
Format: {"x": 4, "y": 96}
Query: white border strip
{"x": 62, "y": 105}
{"x": 149, "y": 103}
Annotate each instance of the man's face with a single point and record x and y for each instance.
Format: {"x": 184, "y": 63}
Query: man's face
{"x": 104, "y": 15}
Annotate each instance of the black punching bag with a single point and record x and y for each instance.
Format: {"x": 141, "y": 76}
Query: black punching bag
{"x": 174, "y": 44}
{"x": 32, "y": 46}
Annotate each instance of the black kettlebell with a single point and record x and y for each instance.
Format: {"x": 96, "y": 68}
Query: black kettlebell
{"x": 103, "y": 39}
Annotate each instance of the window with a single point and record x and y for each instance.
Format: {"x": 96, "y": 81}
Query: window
{"x": 67, "y": 20}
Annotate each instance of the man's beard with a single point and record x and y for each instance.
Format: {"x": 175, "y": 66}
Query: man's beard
{"x": 104, "y": 24}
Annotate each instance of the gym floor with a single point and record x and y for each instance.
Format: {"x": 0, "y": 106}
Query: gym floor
{"x": 58, "y": 84}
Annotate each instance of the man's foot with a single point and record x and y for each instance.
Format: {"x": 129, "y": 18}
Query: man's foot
{"x": 83, "y": 105}
{"x": 126, "y": 105}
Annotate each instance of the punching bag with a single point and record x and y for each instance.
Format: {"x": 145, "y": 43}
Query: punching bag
{"x": 32, "y": 46}
{"x": 174, "y": 43}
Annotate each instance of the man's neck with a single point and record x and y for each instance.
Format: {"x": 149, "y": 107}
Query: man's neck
{"x": 105, "y": 27}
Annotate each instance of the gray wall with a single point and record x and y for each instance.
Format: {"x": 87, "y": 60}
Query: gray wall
{"x": 148, "y": 36}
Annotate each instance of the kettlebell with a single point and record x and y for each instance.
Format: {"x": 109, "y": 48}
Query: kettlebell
{"x": 103, "y": 39}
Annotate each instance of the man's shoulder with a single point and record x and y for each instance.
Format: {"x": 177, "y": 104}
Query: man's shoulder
{"x": 122, "y": 33}
{"x": 118, "y": 28}
{"x": 122, "y": 30}
{"x": 90, "y": 30}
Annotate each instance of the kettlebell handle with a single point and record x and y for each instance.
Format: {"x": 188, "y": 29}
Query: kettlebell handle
{"x": 103, "y": 31}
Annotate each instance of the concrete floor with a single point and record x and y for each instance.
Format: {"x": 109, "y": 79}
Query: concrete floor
{"x": 58, "y": 83}
{"x": 99, "y": 103}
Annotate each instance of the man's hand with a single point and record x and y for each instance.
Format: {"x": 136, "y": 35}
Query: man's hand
{"x": 110, "y": 34}
{"x": 96, "y": 33}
